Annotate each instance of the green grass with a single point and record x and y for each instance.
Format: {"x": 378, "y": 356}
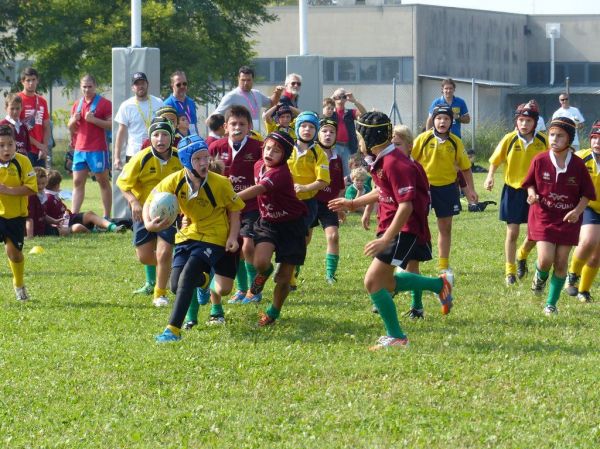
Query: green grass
{"x": 80, "y": 368}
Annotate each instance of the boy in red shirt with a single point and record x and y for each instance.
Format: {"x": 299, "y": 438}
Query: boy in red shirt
{"x": 401, "y": 231}
{"x": 239, "y": 153}
{"x": 559, "y": 188}
{"x": 280, "y": 228}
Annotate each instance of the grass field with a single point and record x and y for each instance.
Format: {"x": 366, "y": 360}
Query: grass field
{"x": 80, "y": 368}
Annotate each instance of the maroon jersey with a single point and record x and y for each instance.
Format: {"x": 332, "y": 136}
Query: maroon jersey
{"x": 54, "y": 206}
{"x": 399, "y": 181}
{"x": 279, "y": 203}
{"x": 210, "y": 139}
{"x": 21, "y": 137}
{"x": 558, "y": 194}
{"x": 336, "y": 173}
{"x": 239, "y": 167}
{"x": 37, "y": 214}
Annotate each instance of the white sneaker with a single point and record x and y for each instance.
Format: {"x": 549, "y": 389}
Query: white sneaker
{"x": 161, "y": 301}
{"x": 216, "y": 320}
{"x": 21, "y": 293}
{"x": 449, "y": 275}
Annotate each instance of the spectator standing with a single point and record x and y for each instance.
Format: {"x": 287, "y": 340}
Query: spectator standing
{"x": 181, "y": 101}
{"x": 459, "y": 107}
{"x": 347, "y": 142}
{"x": 91, "y": 117}
{"x": 35, "y": 116}
{"x": 289, "y": 97}
{"x": 566, "y": 110}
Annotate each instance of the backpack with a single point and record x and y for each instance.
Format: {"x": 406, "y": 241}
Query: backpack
{"x": 95, "y": 101}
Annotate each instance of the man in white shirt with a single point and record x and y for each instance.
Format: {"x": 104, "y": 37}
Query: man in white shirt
{"x": 134, "y": 117}
{"x": 251, "y": 99}
{"x": 566, "y": 110}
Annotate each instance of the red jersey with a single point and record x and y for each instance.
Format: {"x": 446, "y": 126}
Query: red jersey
{"x": 54, "y": 206}
{"x": 558, "y": 194}
{"x": 279, "y": 203}
{"x": 33, "y": 115}
{"x": 90, "y": 137}
{"x": 37, "y": 213}
{"x": 210, "y": 139}
{"x": 21, "y": 137}
{"x": 239, "y": 167}
{"x": 399, "y": 180}
{"x": 336, "y": 173}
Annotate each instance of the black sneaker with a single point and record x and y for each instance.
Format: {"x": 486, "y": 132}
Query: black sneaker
{"x": 522, "y": 268}
{"x": 511, "y": 279}
{"x": 189, "y": 324}
{"x": 538, "y": 284}
{"x": 415, "y": 314}
{"x": 584, "y": 297}
{"x": 550, "y": 310}
{"x": 572, "y": 281}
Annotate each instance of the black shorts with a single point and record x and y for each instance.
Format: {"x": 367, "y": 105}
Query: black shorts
{"x": 141, "y": 235}
{"x": 247, "y": 223}
{"x": 312, "y": 206}
{"x": 403, "y": 249}
{"x": 289, "y": 238}
{"x": 227, "y": 265}
{"x": 78, "y": 219}
{"x": 445, "y": 200}
{"x": 326, "y": 216}
{"x": 13, "y": 229}
{"x": 514, "y": 208}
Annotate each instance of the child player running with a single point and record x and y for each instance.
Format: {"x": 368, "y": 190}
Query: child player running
{"x": 239, "y": 153}
{"x": 139, "y": 176}
{"x": 585, "y": 262}
{"x": 330, "y": 220}
{"x": 559, "y": 188}
{"x": 17, "y": 182}
{"x": 402, "y": 228}
{"x": 516, "y": 150}
{"x": 209, "y": 241}
{"x": 281, "y": 228}
{"x": 440, "y": 153}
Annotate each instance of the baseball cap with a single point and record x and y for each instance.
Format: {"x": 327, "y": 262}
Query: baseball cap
{"x": 137, "y": 76}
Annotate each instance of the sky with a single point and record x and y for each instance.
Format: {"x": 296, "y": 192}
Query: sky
{"x": 521, "y": 6}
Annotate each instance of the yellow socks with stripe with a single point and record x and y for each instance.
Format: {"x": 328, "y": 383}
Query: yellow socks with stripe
{"x": 175, "y": 330}
{"x": 588, "y": 274}
{"x": 18, "y": 271}
{"x": 158, "y": 292}
{"x": 443, "y": 263}
{"x": 510, "y": 268}
{"x": 522, "y": 252}
{"x": 576, "y": 265}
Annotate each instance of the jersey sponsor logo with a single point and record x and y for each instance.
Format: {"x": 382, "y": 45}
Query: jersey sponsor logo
{"x": 405, "y": 190}
{"x": 571, "y": 181}
{"x": 31, "y": 174}
{"x": 152, "y": 170}
{"x": 557, "y": 201}
{"x": 272, "y": 213}
{"x": 386, "y": 199}
{"x": 546, "y": 176}
{"x": 208, "y": 252}
{"x": 249, "y": 157}
{"x": 324, "y": 167}
{"x": 236, "y": 179}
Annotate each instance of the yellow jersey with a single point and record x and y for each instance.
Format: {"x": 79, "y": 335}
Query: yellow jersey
{"x": 144, "y": 170}
{"x": 440, "y": 158}
{"x": 207, "y": 209}
{"x": 517, "y": 156}
{"x": 592, "y": 167}
{"x": 307, "y": 167}
{"x": 14, "y": 173}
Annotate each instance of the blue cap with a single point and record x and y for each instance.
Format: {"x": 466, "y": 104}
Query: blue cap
{"x": 307, "y": 116}
{"x": 187, "y": 147}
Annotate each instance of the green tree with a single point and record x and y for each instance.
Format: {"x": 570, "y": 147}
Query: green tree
{"x": 208, "y": 39}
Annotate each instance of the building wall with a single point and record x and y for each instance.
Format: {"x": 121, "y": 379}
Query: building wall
{"x": 471, "y": 44}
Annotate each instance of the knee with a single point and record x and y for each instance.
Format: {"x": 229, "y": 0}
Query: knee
{"x": 333, "y": 237}
{"x": 78, "y": 182}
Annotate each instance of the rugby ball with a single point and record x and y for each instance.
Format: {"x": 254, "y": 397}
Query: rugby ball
{"x": 164, "y": 205}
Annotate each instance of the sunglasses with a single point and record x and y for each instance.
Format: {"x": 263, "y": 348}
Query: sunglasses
{"x": 341, "y": 97}
{"x": 296, "y": 83}
{"x": 564, "y": 99}
{"x": 181, "y": 84}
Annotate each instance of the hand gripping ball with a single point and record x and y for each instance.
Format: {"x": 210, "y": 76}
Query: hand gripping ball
{"x": 164, "y": 205}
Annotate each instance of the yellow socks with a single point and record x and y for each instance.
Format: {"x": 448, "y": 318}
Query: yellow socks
{"x": 158, "y": 292}
{"x": 443, "y": 263}
{"x": 18, "y": 270}
{"x": 588, "y": 274}
{"x": 522, "y": 253}
{"x": 175, "y": 330}
{"x": 576, "y": 265}
{"x": 510, "y": 268}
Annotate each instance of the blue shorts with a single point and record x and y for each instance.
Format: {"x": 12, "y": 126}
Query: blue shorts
{"x": 94, "y": 161}
{"x": 590, "y": 216}
{"x": 141, "y": 235}
{"x": 445, "y": 200}
{"x": 208, "y": 252}
{"x": 313, "y": 209}
{"x": 514, "y": 208}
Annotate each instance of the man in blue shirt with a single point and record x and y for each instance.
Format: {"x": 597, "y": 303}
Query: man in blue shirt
{"x": 458, "y": 106}
{"x": 181, "y": 101}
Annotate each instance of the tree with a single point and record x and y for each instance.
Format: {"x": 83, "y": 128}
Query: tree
{"x": 208, "y": 39}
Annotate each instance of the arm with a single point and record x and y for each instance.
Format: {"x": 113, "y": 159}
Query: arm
{"x": 104, "y": 124}
{"x": 119, "y": 141}
{"x": 134, "y": 204}
{"x": 72, "y": 125}
{"x": 252, "y": 192}
{"x": 358, "y": 105}
{"x": 337, "y": 204}
{"x": 232, "y": 244}
{"x": 153, "y": 224}
{"x": 276, "y": 95}
{"x": 429, "y": 123}
{"x": 573, "y": 216}
{"x": 16, "y": 191}
{"x": 402, "y": 214}
{"x": 488, "y": 184}
{"x": 465, "y": 118}
{"x": 315, "y": 185}
{"x": 470, "y": 189}
{"x": 268, "y": 114}
{"x": 532, "y": 196}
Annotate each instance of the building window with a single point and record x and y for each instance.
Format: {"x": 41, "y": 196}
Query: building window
{"x": 269, "y": 71}
{"x": 579, "y": 73}
{"x": 368, "y": 70}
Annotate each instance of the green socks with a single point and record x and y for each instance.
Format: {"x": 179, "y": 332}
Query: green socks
{"x": 216, "y": 310}
{"x": 556, "y": 286}
{"x": 150, "y": 274}
{"x": 387, "y": 311}
{"x": 251, "y": 272}
{"x": 416, "y": 299}
{"x": 543, "y": 275}
{"x": 192, "y": 313}
{"x": 273, "y": 312}
{"x": 406, "y": 281}
{"x": 331, "y": 263}
{"x": 241, "y": 276}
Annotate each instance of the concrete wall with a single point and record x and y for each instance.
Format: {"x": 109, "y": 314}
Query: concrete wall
{"x": 471, "y": 44}
{"x": 578, "y": 41}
